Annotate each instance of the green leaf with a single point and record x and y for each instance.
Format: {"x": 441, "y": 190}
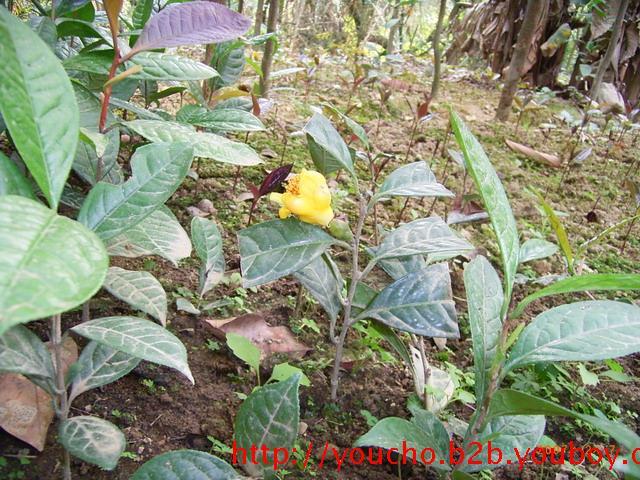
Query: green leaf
{"x": 46, "y": 30}
{"x": 38, "y": 106}
{"x": 583, "y": 283}
{"x": 495, "y": 201}
{"x": 284, "y": 371}
{"x": 425, "y": 236}
{"x": 582, "y": 331}
{"x": 277, "y": 248}
{"x": 322, "y": 279}
{"x": 92, "y": 440}
{"x": 327, "y": 148}
{"x": 141, "y": 13}
{"x": 139, "y": 111}
{"x": 354, "y": 126}
{"x": 412, "y": 180}
{"x": 49, "y": 265}
{"x": 228, "y": 59}
{"x": 159, "y": 234}
{"x": 402, "y": 434}
{"x": 245, "y": 350}
{"x": 208, "y": 244}
{"x": 460, "y": 475}
{"x": 141, "y": 290}
{"x": 398, "y": 267}
{"x": 223, "y": 120}
{"x": 140, "y": 338}
{"x": 536, "y": 249}
{"x": 508, "y": 435}
{"x": 64, "y": 7}
{"x": 12, "y": 182}
{"x": 21, "y": 351}
{"x": 561, "y": 233}
{"x": 184, "y": 305}
{"x": 165, "y": 67}
{"x": 484, "y": 299}
{"x": 185, "y": 465}
{"x": 157, "y": 171}
{"x": 363, "y": 297}
{"x": 587, "y": 377}
{"x": 268, "y": 417}
{"x": 419, "y": 303}
{"x": 100, "y": 365}
{"x": 205, "y": 145}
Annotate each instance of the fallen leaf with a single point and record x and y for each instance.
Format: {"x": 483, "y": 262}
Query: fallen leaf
{"x": 268, "y": 339}
{"x": 206, "y": 206}
{"x": 26, "y": 410}
{"x": 541, "y": 157}
{"x": 268, "y": 153}
{"x": 196, "y": 212}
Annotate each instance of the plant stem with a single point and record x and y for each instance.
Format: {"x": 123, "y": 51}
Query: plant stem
{"x": 355, "y": 278}
{"x": 86, "y": 311}
{"x": 62, "y": 400}
{"x": 106, "y": 94}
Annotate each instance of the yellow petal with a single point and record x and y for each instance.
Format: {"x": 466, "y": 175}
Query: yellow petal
{"x": 300, "y": 205}
{"x": 284, "y": 213}
{"x": 319, "y": 217}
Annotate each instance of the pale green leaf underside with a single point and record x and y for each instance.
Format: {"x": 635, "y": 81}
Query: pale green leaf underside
{"x": 319, "y": 278}
{"x": 140, "y": 338}
{"x": 159, "y": 234}
{"x": 413, "y": 180}
{"x": 205, "y": 145}
{"x": 185, "y": 465}
{"x": 49, "y": 263}
{"x": 12, "y": 181}
{"x": 582, "y": 331}
{"x": 207, "y": 242}
{"x": 38, "y": 106}
{"x": 141, "y": 290}
{"x": 536, "y": 249}
{"x": 93, "y": 440}
{"x": 21, "y": 351}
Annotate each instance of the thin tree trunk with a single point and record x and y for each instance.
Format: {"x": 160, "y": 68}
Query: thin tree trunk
{"x": 394, "y": 29}
{"x": 437, "y": 50}
{"x": 519, "y": 58}
{"x": 613, "y": 42}
{"x": 257, "y": 28}
{"x": 269, "y": 48}
{"x": 240, "y": 6}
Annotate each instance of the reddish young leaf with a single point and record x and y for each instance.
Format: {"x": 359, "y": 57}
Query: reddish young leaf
{"x": 274, "y": 180}
{"x": 191, "y": 23}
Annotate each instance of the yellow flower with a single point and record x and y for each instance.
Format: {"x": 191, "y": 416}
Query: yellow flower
{"x": 306, "y": 196}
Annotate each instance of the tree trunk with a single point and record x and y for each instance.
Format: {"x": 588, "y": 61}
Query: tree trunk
{"x": 525, "y": 39}
{"x": 240, "y": 6}
{"x": 269, "y": 48}
{"x": 437, "y": 50}
{"x": 394, "y": 29}
{"x": 257, "y": 28}
{"x": 613, "y": 43}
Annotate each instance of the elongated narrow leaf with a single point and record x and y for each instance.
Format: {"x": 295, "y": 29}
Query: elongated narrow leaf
{"x": 157, "y": 171}
{"x": 93, "y": 440}
{"x": 277, "y": 248}
{"x": 268, "y": 417}
{"x": 328, "y": 150}
{"x": 495, "y": 201}
{"x": 12, "y": 181}
{"x": 140, "y": 338}
{"x": 402, "y": 434}
{"x": 159, "y": 234}
{"x": 21, "y": 351}
{"x": 190, "y": 24}
{"x": 38, "y": 106}
{"x": 49, "y": 263}
{"x": 508, "y": 435}
{"x": 140, "y": 112}
{"x": 558, "y": 228}
{"x": 100, "y": 365}
{"x": 206, "y": 145}
{"x": 583, "y": 283}
{"x": 413, "y": 180}
{"x": 485, "y": 299}
{"x": 141, "y": 13}
{"x": 224, "y": 120}
{"x": 354, "y": 126}
{"x": 582, "y": 331}
{"x": 208, "y": 244}
{"x": 425, "y": 236}
{"x": 419, "y": 303}
{"x": 186, "y": 465}
{"x": 322, "y": 278}
{"x": 141, "y": 290}
{"x": 536, "y": 249}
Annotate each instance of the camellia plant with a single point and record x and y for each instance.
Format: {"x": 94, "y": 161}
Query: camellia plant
{"x": 582, "y": 331}
{"x": 417, "y": 301}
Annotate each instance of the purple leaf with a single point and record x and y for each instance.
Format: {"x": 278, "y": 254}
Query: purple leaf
{"x": 273, "y": 181}
{"x": 189, "y": 24}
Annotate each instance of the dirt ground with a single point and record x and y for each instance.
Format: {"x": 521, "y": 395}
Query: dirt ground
{"x": 167, "y": 413}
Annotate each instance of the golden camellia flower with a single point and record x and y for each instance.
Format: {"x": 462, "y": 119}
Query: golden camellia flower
{"x": 306, "y": 196}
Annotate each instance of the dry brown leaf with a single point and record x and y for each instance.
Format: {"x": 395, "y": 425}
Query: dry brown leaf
{"x": 268, "y": 339}
{"x": 26, "y": 410}
{"x": 541, "y": 157}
